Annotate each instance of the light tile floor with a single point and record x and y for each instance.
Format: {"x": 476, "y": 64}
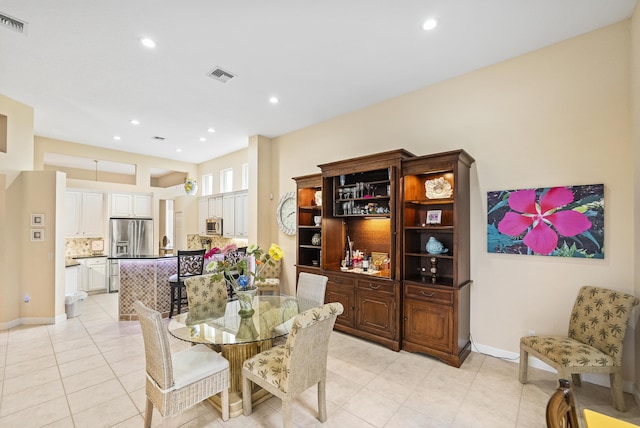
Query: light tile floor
{"x": 89, "y": 372}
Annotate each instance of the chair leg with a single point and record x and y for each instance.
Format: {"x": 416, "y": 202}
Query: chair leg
{"x": 179, "y": 298}
{"x": 287, "y": 418}
{"x": 246, "y": 396}
{"x": 148, "y": 413}
{"x": 524, "y": 364}
{"x": 173, "y": 300}
{"x": 616, "y": 391}
{"x": 575, "y": 379}
{"x": 322, "y": 400}
{"x": 224, "y": 402}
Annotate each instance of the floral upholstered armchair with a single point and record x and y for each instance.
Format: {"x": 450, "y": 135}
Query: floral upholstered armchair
{"x": 594, "y": 343}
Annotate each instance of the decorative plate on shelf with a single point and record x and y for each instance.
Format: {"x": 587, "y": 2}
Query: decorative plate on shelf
{"x": 438, "y": 188}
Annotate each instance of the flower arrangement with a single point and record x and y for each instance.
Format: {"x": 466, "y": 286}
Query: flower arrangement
{"x": 241, "y": 269}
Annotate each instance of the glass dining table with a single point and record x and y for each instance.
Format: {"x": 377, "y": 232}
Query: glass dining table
{"x": 239, "y": 335}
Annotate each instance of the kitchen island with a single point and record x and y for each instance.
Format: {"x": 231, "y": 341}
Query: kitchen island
{"x": 144, "y": 278}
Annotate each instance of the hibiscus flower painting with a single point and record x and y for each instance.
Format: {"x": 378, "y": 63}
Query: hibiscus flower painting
{"x": 553, "y": 221}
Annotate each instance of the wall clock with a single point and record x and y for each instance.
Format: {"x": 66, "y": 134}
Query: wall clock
{"x": 286, "y": 213}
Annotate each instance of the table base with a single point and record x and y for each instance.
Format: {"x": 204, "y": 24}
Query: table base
{"x": 236, "y": 354}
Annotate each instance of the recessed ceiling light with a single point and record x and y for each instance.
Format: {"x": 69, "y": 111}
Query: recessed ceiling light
{"x": 274, "y": 100}
{"x": 148, "y": 43}
{"x": 211, "y": 130}
{"x": 116, "y": 137}
{"x": 203, "y": 139}
{"x": 135, "y": 122}
{"x": 178, "y": 150}
{"x": 430, "y": 24}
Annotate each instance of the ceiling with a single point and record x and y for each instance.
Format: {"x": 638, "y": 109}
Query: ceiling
{"x": 82, "y": 67}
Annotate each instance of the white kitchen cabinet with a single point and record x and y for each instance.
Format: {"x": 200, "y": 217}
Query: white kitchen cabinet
{"x": 242, "y": 214}
{"x": 208, "y": 207}
{"x": 203, "y": 215}
{"x": 93, "y": 274}
{"x": 85, "y": 214}
{"x": 142, "y": 206}
{"x": 229, "y": 215}
{"x": 130, "y": 205}
{"x": 215, "y": 206}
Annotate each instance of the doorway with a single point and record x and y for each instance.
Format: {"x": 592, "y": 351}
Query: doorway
{"x": 166, "y": 232}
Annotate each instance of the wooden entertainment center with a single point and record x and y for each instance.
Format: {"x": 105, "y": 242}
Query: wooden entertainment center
{"x": 388, "y": 205}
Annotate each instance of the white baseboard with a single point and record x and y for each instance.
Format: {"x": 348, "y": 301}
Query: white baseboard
{"x": 597, "y": 379}
{"x": 32, "y": 321}
{"x": 9, "y": 324}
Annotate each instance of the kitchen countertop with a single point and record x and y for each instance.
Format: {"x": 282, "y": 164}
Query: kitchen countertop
{"x": 71, "y": 261}
{"x": 148, "y": 257}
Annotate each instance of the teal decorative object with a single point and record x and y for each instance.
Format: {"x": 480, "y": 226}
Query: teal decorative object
{"x": 435, "y": 247}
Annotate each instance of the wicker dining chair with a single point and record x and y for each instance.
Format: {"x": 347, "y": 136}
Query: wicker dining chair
{"x": 594, "y": 341}
{"x": 311, "y": 289}
{"x": 180, "y": 380}
{"x": 287, "y": 370}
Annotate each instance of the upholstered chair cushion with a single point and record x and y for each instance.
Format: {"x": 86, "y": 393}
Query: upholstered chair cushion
{"x": 272, "y": 365}
{"x": 207, "y": 296}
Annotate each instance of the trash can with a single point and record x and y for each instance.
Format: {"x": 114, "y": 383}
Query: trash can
{"x": 73, "y": 303}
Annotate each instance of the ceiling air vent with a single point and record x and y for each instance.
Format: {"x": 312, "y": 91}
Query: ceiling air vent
{"x": 13, "y": 23}
{"x": 158, "y": 138}
{"x": 221, "y": 75}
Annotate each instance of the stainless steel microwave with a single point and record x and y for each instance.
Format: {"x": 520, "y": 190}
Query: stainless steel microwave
{"x": 214, "y": 226}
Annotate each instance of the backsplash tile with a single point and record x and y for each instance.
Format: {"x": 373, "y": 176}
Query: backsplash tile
{"x": 80, "y": 247}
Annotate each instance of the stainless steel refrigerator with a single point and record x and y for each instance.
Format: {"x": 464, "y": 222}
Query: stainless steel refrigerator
{"x": 128, "y": 237}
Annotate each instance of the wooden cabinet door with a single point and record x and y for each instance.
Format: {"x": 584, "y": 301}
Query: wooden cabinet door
{"x": 376, "y": 312}
{"x": 242, "y": 214}
{"x": 73, "y": 216}
{"x": 203, "y": 215}
{"x": 428, "y": 324}
{"x": 340, "y": 289}
{"x": 96, "y": 274}
{"x": 120, "y": 205}
{"x": 142, "y": 206}
{"x": 92, "y": 214}
{"x": 228, "y": 216}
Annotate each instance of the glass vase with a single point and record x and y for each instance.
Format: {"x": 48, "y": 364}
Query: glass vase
{"x": 245, "y": 300}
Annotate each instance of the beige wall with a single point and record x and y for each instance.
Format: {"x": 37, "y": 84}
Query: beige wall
{"x": 557, "y": 116}
{"x": 19, "y": 155}
{"x": 635, "y": 114}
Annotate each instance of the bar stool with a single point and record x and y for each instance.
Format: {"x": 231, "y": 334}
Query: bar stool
{"x": 190, "y": 263}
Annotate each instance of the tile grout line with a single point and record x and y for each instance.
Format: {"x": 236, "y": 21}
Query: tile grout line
{"x": 106, "y": 361}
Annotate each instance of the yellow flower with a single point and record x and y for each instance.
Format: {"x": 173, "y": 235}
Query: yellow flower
{"x": 276, "y": 252}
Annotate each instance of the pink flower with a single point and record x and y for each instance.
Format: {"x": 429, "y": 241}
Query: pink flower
{"x": 212, "y": 252}
{"x": 540, "y": 216}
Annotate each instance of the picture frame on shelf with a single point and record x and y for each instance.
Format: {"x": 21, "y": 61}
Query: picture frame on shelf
{"x": 37, "y": 235}
{"x": 37, "y": 220}
{"x": 434, "y": 216}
